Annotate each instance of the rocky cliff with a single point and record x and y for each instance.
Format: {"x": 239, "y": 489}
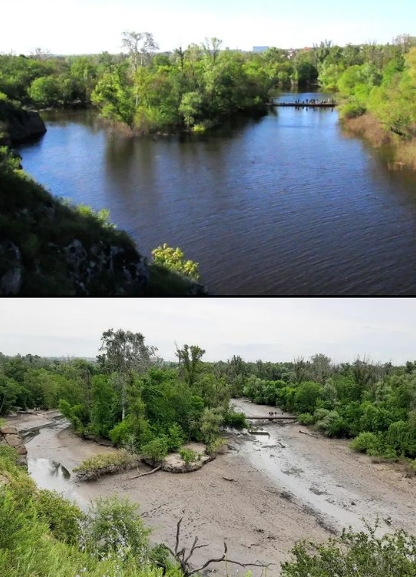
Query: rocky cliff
{"x": 10, "y": 436}
{"x": 18, "y": 125}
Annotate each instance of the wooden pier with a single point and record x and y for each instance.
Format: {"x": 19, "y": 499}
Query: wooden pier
{"x": 271, "y": 418}
{"x": 303, "y": 104}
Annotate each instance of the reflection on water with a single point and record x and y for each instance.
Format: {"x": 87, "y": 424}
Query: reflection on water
{"x": 49, "y": 474}
{"x": 287, "y": 204}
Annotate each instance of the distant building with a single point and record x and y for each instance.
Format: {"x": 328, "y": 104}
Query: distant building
{"x": 260, "y": 48}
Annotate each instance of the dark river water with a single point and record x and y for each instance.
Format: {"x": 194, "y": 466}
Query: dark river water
{"x": 287, "y": 204}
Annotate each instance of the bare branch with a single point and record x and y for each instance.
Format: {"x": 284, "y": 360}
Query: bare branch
{"x": 191, "y": 550}
{"x": 144, "y": 474}
{"x": 178, "y": 528}
{"x": 184, "y": 561}
{"x": 210, "y": 561}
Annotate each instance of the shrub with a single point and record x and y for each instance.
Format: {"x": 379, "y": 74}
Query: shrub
{"x": 331, "y": 423}
{"x": 307, "y": 395}
{"x": 399, "y": 437}
{"x": 156, "y": 449}
{"x": 98, "y": 465}
{"x": 306, "y": 419}
{"x": 121, "y": 433}
{"x": 114, "y": 526}
{"x": 215, "y": 445}
{"x": 235, "y": 420}
{"x": 188, "y": 455}
{"x": 351, "y": 110}
{"x": 211, "y": 422}
{"x": 355, "y": 554}
{"x": 176, "y": 437}
{"x": 62, "y": 517}
{"x": 174, "y": 259}
{"x": 365, "y": 441}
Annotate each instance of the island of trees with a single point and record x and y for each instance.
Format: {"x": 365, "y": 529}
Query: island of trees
{"x": 198, "y": 87}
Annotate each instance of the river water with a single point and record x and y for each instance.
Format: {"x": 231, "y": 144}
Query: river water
{"x": 283, "y": 205}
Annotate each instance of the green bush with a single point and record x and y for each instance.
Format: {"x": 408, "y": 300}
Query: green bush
{"x": 113, "y": 526}
{"x": 307, "y": 395}
{"x": 62, "y": 517}
{"x": 351, "y": 110}
{"x": 174, "y": 259}
{"x": 235, "y": 420}
{"x": 18, "y": 521}
{"x": 121, "y": 433}
{"x": 188, "y": 455}
{"x": 105, "y": 461}
{"x": 211, "y": 422}
{"x": 331, "y": 423}
{"x": 215, "y": 445}
{"x": 306, "y": 419}
{"x": 156, "y": 449}
{"x": 176, "y": 437}
{"x": 365, "y": 441}
{"x": 355, "y": 555}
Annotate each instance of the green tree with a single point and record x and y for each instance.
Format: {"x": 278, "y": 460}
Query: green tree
{"x": 190, "y": 360}
{"x": 124, "y": 352}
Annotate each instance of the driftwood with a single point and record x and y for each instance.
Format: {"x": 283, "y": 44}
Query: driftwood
{"x": 229, "y": 479}
{"x": 305, "y": 433}
{"x": 144, "y": 474}
{"x": 181, "y": 556}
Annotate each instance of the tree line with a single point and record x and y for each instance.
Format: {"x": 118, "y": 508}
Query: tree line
{"x": 133, "y": 397}
{"x": 198, "y": 87}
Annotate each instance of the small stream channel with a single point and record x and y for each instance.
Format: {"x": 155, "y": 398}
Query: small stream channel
{"x": 47, "y": 472}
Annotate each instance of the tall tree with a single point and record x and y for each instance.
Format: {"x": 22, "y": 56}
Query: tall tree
{"x": 125, "y": 353}
{"x": 189, "y": 358}
{"x": 140, "y": 46}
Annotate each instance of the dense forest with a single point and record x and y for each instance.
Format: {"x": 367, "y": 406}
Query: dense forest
{"x": 137, "y": 400}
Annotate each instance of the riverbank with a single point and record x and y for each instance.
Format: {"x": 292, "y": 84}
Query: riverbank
{"x": 54, "y": 248}
{"x": 402, "y": 153}
{"x": 228, "y": 499}
{"x": 261, "y": 496}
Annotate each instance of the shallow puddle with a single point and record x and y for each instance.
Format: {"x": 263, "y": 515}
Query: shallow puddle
{"x": 49, "y": 474}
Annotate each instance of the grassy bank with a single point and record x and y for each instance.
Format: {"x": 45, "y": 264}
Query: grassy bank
{"x": 402, "y": 151}
{"x": 49, "y": 247}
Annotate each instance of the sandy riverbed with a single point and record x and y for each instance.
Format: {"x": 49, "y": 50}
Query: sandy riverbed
{"x": 278, "y": 494}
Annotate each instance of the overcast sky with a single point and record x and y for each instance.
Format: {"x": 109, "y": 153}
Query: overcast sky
{"x": 274, "y": 329}
{"x": 93, "y": 26}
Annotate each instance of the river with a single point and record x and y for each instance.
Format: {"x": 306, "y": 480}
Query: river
{"x": 284, "y": 205}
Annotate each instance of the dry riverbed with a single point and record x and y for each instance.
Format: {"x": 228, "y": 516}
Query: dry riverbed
{"x": 261, "y": 496}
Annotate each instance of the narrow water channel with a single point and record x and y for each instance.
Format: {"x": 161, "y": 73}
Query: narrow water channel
{"x": 48, "y": 472}
{"x": 284, "y": 205}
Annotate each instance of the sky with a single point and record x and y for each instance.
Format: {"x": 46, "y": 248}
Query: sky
{"x": 94, "y": 26}
{"x": 271, "y": 329}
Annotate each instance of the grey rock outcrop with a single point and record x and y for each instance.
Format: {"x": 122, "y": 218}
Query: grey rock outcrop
{"x": 127, "y": 268}
{"x": 11, "y": 437}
